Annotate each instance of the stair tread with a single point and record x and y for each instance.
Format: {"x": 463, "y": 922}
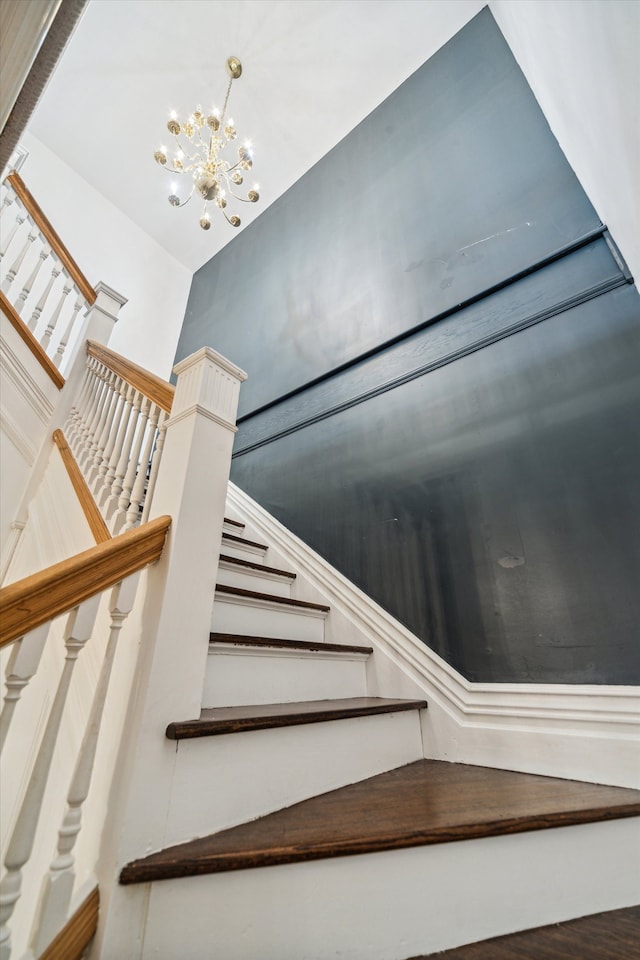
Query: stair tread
{"x": 234, "y": 523}
{"x": 270, "y": 597}
{"x": 231, "y": 537}
{"x": 214, "y": 721}
{"x": 248, "y": 641}
{"x": 422, "y": 803}
{"x": 613, "y": 935}
{"x": 261, "y": 567}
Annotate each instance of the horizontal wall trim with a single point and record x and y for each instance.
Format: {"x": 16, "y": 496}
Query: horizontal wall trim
{"x": 550, "y": 258}
{"x": 619, "y": 277}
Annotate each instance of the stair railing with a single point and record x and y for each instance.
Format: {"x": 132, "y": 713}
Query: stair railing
{"x": 30, "y": 612}
{"x": 42, "y": 284}
{"x": 116, "y": 431}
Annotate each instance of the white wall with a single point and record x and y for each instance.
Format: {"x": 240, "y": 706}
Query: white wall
{"x": 108, "y": 246}
{"x": 581, "y": 60}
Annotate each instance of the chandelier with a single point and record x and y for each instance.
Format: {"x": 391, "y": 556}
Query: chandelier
{"x": 200, "y": 145}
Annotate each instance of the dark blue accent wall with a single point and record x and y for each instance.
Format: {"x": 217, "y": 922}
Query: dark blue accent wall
{"x": 443, "y": 351}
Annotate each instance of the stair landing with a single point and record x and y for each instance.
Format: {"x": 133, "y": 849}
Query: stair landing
{"x": 423, "y": 803}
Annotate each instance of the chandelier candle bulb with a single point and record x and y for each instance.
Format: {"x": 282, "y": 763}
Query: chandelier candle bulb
{"x": 212, "y": 174}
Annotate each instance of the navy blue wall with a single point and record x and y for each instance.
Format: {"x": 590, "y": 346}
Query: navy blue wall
{"x": 444, "y": 386}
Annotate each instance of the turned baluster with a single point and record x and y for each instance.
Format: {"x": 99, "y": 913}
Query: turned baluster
{"x": 55, "y": 273}
{"x": 14, "y": 269}
{"x": 110, "y": 475}
{"x": 6, "y": 243}
{"x": 77, "y": 631}
{"x": 120, "y": 515}
{"x": 102, "y": 397}
{"x": 107, "y": 438}
{"x": 155, "y": 465}
{"x": 139, "y": 487}
{"x": 82, "y": 409}
{"x": 111, "y": 504}
{"x": 21, "y": 666}
{"x": 58, "y": 884}
{"x": 64, "y": 340}
{"x": 100, "y": 435}
{"x": 26, "y": 290}
{"x": 55, "y": 316}
{"x": 112, "y": 450}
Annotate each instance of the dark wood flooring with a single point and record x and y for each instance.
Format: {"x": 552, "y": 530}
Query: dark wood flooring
{"x": 614, "y": 935}
{"x": 422, "y": 803}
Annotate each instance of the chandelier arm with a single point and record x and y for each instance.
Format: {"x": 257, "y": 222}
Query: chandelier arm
{"x": 182, "y": 149}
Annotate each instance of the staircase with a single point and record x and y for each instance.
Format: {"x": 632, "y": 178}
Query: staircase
{"x": 373, "y": 851}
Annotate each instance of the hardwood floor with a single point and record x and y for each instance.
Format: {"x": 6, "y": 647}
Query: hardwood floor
{"x": 614, "y": 935}
{"x": 422, "y": 803}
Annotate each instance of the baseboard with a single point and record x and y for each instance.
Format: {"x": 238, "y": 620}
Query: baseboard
{"x": 582, "y": 732}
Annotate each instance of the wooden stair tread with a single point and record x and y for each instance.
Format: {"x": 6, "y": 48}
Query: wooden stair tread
{"x": 270, "y": 598}
{"x": 214, "y": 721}
{"x": 246, "y": 641}
{"x": 613, "y": 935}
{"x": 234, "y": 523}
{"x": 426, "y": 802}
{"x": 231, "y": 537}
{"x": 260, "y": 567}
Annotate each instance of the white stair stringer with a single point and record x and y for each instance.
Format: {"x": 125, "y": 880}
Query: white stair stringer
{"x": 266, "y": 618}
{"x": 239, "y": 675}
{"x": 396, "y": 904}
{"x": 222, "y": 781}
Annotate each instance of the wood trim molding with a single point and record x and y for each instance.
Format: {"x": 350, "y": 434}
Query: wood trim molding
{"x": 77, "y": 932}
{"x": 25, "y": 334}
{"x": 90, "y": 509}
{"x": 158, "y": 390}
{"x": 38, "y": 216}
{"x": 30, "y": 602}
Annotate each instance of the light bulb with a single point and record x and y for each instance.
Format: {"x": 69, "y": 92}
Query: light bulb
{"x": 173, "y": 115}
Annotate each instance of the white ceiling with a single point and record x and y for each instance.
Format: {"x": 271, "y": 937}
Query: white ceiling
{"x": 312, "y": 71}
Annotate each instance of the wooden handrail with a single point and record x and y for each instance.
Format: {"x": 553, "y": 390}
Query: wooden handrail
{"x": 77, "y": 932}
{"x": 34, "y": 600}
{"x": 23, "y": 331}
{"x": 94, "y": 518}
{"x": 41, "y": 220}
{"x": 143, "y": 380}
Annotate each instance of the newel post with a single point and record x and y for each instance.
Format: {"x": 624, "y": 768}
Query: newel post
{"x": 191, "y": 487}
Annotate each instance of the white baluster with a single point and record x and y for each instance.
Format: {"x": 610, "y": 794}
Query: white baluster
{"x": 6, "y": 243}
{"x": 105, "y": 435}
{"x": 112, "y": 503}
{"x": 89, "y": 410}
{"x": 55, "y": 316}
{"x": 114, "y": 459}
{"x": 79, "y": 411}
{"x": 64, "y": 340}
{"x": 120, "y": 514}
{"x": 100, "y": 435}
{"x": 112, "y": 438}
{"x": 26, "y": 290}
{"x": 155, "y": 465}
{"x": 21, "y": 666}
{"x": 102, "y": 396}
{"x": 35, "y": 316}
{"x": 13, "y": 270}
{"x": 137, "y": 494}
{"x": 78, "y": 630}
{"x": 58, "y": 884}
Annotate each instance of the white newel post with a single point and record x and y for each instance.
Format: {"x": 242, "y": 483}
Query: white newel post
{"x": 191, "y": 487}
{"x": 98, "y": 325}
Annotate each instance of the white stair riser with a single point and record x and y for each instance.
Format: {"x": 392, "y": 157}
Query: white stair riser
{"x": 250, "y": 579}
{"x": 232, "y": 529}
{"x": 242, "y": 551}
{"x": 396, "y": 904}
{"x": 240, "y": 675}
{"x": 225, "y": 780}
{"x": 233, "y": 615}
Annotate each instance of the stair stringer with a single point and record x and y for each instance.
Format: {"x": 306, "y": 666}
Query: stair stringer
{"x": 578, "y": 732}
